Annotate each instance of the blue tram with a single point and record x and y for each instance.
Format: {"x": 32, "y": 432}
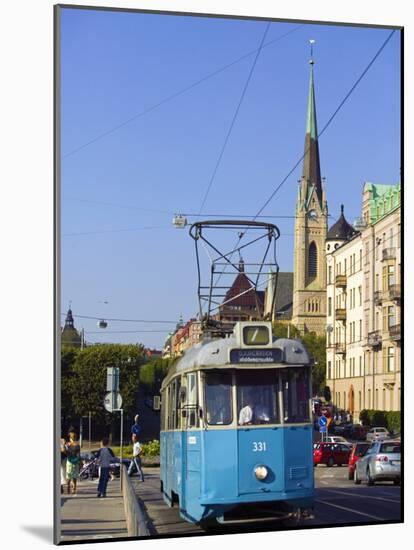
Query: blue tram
{"x": 236, "y": 430}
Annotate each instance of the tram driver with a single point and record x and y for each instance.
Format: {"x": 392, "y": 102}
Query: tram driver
{"x": 253, "y": 412}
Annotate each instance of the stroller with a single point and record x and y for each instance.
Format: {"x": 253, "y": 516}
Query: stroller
{"x": 89, "y": 470}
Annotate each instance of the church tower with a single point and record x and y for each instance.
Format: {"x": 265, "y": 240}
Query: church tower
{"x": 309, "y": 286}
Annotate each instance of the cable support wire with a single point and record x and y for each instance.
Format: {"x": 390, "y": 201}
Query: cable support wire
{"x": 236, "y": 112}
{"x": 324, "y": 128}
{"x": 121, "y": 320}
{"x": 177, "y": 94}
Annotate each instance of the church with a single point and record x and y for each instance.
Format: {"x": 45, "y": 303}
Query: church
{"x": 305, "y": 307}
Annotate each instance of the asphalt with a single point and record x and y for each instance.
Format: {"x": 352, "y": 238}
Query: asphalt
{"x": 338, "y": 502}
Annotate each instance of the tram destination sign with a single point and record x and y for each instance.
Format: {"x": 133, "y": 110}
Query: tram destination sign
{"x": 256, "y": 356}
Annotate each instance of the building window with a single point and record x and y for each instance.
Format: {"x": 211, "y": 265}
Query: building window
{"x": 329, "y": 306}
{"x": 360, "y": 329}
{"x": 360, "y": 366}
{"x": 329, "y": 274}
{"x": 360, "y": 294}
{"x": 329, "y": 370}
{"x": 390, "y": 359}
{"x": 388, "y": 317}
{"x": 313, "y": 261}
{"x": 391, "y": 237}
{"x": 369, "y": 399}
{"x": 360, "y": 259}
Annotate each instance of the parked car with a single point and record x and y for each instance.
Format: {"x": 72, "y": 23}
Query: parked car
{"x": 337, "y": 439}
{"x": 381, "y": 462}
{"x": 331, "y": 454}
{"x": 358, "y": 450}
{"x": 377, "y": 433}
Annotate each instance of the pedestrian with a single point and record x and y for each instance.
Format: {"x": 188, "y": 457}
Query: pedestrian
{"x": 136, "y": 459}
{"x": 63, "y": 459}
{"x": 135, "y": 428}
{"x": 73, "y": 461}
{"x": 104, "y": 458}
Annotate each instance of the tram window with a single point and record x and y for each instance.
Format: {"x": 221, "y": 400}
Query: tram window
{"x": 177, "y": 403}
{"x": 257, "y": 397}
{"x": 218, "y": 399}
{"x": 192, "y": 402}
{"x": 295, "y": 384}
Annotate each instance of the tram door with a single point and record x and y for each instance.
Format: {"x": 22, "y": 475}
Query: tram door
{"x": 191, "y": 438}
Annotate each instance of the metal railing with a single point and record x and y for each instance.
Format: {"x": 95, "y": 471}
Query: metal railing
{"x": 374, "y": 338}
{"x": 340, "y": 281}
{"x": 340, "y": 347}
{"x": 137, "y": 522}
{"x": 340, "y": 314}
{"x": 388, "y": 253}
{"x": 395, "y": 331}
{"x": 395, "y": 292}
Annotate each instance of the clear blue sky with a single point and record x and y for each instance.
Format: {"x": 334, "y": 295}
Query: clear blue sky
{"x": 114, "y": 65}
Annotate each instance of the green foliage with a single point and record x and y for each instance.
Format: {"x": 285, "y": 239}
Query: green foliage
{"x": 281, "y": 330}
{"x": 151, "y": 449}
{"x": 152, "y": 374}
{"x": 68, "y": 358}
{"x": 388, "y": 419}
{"x": 86, "y": 384}
{"x": 327, "y": 394}
{"x": 316, "y": 346}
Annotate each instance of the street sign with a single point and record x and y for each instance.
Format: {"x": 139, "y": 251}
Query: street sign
{"x": 112, "y": 379}
{"x": 112, "y": 401}
{"x": 323, "y": 421}
{"x": 322, "y": 429}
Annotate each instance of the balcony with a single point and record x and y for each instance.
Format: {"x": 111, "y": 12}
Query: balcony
{"x": 340, "y": 281}
{"x": 340, "y": 314}
{"x": 374, "y": 339}
{"x": 340, "y": 348}
{"x": 395, "y": 292}
{"x": 395, "y": 332}
{"x": 378, "y": 297}
{"x": 388, "y": 253}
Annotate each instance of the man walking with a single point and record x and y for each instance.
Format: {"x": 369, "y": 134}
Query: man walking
{"x": 136, "y": 460}
{"x": 104, "y": 458}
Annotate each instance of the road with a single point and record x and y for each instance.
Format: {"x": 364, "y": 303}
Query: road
{"x": 338, "y": 501}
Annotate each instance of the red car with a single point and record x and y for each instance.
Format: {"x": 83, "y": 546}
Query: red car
{"x": 358, "y": 450}
{"x": 331, "y": 454}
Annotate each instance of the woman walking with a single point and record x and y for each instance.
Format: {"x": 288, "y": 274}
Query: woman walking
{"x": 73, "y": 460}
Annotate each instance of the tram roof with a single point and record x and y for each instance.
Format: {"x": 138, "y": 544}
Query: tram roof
{"x": 216, "y": 353}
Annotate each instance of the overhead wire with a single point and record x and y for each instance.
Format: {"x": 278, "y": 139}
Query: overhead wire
{"x": 176, "y": 94}
{"x": 236, "y": 112}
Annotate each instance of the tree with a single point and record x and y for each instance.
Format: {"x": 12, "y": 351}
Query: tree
{"x": 68, "y": 358}
{"x": 88, "y": 382}
{"x": 152, "y": 374}
{"x": 316, "y": 346}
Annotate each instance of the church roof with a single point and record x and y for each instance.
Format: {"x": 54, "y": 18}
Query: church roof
{"x": 341, "y": 230}
{"x": 242, "y": 293}
{"x": 311, "y": 163}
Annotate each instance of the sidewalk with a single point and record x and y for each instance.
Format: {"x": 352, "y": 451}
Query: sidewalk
{"x": 84, "y": 516}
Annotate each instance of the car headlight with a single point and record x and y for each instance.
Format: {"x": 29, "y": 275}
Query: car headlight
{"x": 261, "y": 472}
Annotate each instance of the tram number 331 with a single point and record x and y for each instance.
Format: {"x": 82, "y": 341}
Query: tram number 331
{"x": 259, "y": 446}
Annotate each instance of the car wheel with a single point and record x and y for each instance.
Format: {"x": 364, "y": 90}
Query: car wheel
{"x": 370, "y": 480}
{"x": 330, "y": 462}
{"x": 357, "y": 481}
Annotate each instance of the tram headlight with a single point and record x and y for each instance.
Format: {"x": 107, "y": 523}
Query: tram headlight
{"x": 261, "y": 472}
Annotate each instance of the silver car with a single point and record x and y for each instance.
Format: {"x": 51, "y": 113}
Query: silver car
{"x": 382, "y": 462}
{"x": 375, "y": 434}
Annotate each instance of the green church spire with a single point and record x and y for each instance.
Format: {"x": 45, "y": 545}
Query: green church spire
{"x": 311, "y": 165}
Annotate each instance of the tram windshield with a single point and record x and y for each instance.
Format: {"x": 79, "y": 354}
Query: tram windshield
{"x": 218, "y": 399}
{"x": 295, "y": 386}
{"x": 257, "y": 397}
